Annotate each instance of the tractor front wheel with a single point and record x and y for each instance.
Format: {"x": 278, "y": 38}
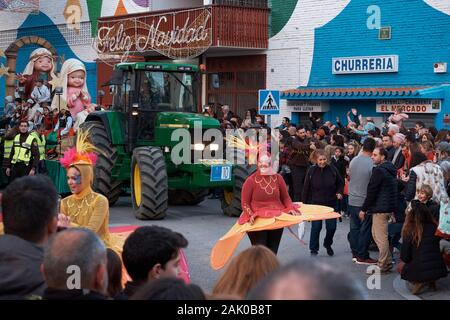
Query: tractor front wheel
{"x": 149, "y": 186}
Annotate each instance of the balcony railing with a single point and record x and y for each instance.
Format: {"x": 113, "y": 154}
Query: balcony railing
{"x": 242, "y": 27}
{"x": 243, "y": 3}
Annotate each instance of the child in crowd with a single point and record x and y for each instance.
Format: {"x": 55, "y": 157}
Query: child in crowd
{"x": 425, "y": 195}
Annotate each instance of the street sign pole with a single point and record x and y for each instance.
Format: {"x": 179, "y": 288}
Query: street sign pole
{"x": 269, "y": 122}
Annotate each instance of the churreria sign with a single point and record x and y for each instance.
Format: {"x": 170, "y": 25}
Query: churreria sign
{"x": 370, "y": 64}
{"x": 181, "y": 34}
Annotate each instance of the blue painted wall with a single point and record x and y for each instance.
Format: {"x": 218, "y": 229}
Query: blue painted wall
{"x": 420, "y": 37}
{"x": 54, "y": 36}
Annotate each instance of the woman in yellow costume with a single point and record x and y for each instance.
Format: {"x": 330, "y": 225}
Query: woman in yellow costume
{"x": 86, "y": 208}
{"x": 267, "y": 209}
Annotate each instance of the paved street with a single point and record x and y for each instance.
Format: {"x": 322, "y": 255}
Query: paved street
{"x": 203, "y": 224}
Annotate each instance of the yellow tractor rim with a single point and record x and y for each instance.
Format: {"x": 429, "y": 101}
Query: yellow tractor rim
{"x": 137, "y": 185}
{"x": 228, "y": 196}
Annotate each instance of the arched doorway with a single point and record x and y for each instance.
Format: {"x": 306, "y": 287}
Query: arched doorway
{"x": 11, "y": 58}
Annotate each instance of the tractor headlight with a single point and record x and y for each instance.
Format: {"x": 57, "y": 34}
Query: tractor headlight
{"x": 199, "y": 147}
{"x": 214, "y": 147}
{"x": 135, "y": 109}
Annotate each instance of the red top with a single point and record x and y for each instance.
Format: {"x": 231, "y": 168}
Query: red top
{"x": 264, "y": 196}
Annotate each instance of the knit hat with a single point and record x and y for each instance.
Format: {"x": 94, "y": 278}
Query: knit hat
{"x": 30, "y": 101}
{"x": 321, "y": 132}
{"x": 394, "y": 127}
{"x": 399, "y": 138}
{"x": 444, "y": 146}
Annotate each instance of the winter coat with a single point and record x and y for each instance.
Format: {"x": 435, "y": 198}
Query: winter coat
{"x": 341, "y": 165}
{"x": 423, "y": 263}
{"x": 382, "y": 190}
{"x": 20, "y": 268}
{"x": 426, "y": 173}
{"x": 398, "y": 159}
{"x": 434, "y": 208}
{"x": 321, "y": 186}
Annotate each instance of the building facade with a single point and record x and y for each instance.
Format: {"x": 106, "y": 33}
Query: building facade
{"x": 371, "y": 55}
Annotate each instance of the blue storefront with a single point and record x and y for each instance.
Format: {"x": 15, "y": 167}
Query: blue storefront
{"x": 376, "y": 71}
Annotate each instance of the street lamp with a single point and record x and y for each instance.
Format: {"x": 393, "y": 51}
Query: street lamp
{"x": 59, "y": 92}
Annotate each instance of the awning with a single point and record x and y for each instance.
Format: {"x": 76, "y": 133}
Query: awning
{"x": 403, "y": 92}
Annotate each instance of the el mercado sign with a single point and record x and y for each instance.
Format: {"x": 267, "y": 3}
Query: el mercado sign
{"x": 409, "y": 106}
{"x": 177, "y": 35}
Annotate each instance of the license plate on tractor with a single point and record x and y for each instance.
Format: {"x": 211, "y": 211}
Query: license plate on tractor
{"x": 221, "y": 173}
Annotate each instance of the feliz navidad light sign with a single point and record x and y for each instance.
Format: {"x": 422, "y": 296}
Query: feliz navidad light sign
{"x": 177, "y": 35}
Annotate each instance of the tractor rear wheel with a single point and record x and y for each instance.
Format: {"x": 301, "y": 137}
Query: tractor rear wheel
{"x": 231, "y": 202}
{"x": 103, "y": 182}
{"x": 187, "y": 198}
{"x": 149, "y": 186}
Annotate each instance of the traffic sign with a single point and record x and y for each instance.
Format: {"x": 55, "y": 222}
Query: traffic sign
{"x": 269, "y": 102}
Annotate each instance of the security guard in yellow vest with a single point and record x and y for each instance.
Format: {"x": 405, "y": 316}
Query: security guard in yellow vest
{"x": 41, "y": 142}
{"x": 24, "y": 156}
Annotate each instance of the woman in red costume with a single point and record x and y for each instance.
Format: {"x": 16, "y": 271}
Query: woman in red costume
{"x": 264, "y": 194}
{"x": 267, "y": 209}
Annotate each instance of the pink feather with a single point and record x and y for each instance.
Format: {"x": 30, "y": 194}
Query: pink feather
{"x": 93, "y": 157}
{"x": 69, "y": 157}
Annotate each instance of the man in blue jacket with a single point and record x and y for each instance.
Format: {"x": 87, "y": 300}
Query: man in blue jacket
{"x": 381, "y": 202}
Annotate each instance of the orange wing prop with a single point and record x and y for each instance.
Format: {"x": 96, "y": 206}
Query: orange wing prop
{"x": 225, "y": 247}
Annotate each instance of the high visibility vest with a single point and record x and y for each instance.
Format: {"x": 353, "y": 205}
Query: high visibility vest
{"x": 41, "y": 144}
{"x": 7, "y": 147}
{"x": 22, "y": 152}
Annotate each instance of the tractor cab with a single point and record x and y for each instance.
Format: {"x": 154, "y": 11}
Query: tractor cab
{"x": 142, "y": 90}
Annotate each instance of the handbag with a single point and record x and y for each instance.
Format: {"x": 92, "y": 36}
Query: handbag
{"x": 301, "y": 230}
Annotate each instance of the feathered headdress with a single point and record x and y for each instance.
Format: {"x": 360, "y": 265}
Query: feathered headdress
{"x": 252, "y": 148}
{"x": 82, "y": 153}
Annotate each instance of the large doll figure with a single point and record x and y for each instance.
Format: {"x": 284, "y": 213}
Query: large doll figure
{"x": 40, "y": 66}
{"x": 75, "y": 96}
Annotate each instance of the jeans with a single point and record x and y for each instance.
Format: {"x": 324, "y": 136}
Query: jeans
{"x": 316, "y": 226}
{"x": 360, "y": 234}
{"x": 395, "y": 233}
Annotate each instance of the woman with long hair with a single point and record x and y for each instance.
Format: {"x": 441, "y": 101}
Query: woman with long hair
{"x": 353, "y": 149}
{"x": 421, "y": 259}
{"x": 245, "y": 271}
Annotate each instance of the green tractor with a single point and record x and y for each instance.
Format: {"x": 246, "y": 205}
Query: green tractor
{"x": 150, "y": 101}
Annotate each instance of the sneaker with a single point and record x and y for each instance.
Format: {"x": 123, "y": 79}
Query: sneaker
{"x": 354, "y": 258}
{"x": 377, "y": 269}
{"x": 314, "y": 253}
{"x": 368, "y": 261}
{"x": 330, "y": 251}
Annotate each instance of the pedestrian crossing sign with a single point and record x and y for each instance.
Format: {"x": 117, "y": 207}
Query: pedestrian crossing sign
{"x": 269, "y": 102}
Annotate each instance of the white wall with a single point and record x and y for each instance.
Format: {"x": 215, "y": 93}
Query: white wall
{"x": 175, "y": 4}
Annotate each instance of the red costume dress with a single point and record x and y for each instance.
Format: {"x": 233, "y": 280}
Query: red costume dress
{"x": 265, "y": 196}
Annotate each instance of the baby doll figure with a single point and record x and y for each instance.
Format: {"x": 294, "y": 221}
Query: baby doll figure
{"x": 75, "y": 96}
{"x": 41, "y": 65}
{"x": 78, "y": 98}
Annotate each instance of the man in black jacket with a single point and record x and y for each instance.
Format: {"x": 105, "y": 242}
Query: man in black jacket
{"x": 300, "y": 148}
{"x": 381, "y": 202}
{"x": 387, "y": 144}
{"x": 29, "y": 207}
